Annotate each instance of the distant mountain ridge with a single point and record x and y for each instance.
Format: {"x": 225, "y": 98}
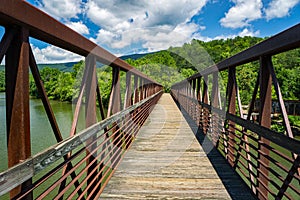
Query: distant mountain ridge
{"x": 67, "y": 67}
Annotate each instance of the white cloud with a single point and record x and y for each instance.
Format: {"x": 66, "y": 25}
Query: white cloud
{"x": 155, "y": 24}
{"x": 52, "y": 54}
{"x": 247, "y": 32}
{"x": 61, "y": 9}
{"x": 242, "y": 13}
{"x": 78, "y": 27}
{"x": 153, "y": 39}
{"x": 118, "y": 14}
{"x": 243, "y": 33}
{"x": 279, "y": 8}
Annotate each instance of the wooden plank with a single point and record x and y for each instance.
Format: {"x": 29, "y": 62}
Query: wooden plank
{"x": 165, "y": 162}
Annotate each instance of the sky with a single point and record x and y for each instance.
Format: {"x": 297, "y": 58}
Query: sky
{"x": 139, "y": 26}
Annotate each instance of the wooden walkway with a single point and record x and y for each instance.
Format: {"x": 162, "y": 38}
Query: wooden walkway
{"x": 165, "y": 162}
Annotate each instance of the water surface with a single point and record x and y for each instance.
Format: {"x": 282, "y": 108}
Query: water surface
{"x": 42, "y": 135}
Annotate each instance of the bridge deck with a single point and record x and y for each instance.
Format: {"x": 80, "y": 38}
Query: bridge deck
{"x": 165, "y": 162}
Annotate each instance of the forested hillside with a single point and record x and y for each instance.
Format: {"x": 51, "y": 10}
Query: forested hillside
{"x": 175, "y": 64}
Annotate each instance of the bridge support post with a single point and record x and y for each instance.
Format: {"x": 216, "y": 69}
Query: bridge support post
{"x": 205, "y": 111}
{"x": 17, "y": 103}
{"x": 198, "y": 97}
{"x": 264, "y": 120}
{"x": 90, "y": 119}
{"x": 136, "y": 90}
{"x": 141, "y": 89}
{"x": 128, "y": 95}
{"x": 194, "y": 96}
{"x": 215, "y": 118}
{"x": 114, "y": 107}
{"x": 231, "y": 95}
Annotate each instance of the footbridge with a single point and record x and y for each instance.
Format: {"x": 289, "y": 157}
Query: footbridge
{"x": 189, "y": 144}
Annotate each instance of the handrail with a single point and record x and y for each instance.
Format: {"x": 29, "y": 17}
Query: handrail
{"x": 32, "y": 166}
{"x": 286, "y": 40}
{"x": 45, "y": 28}
{"x": 280, "y": 139}
{"x": 90, "y": 165}
{"x": 249, "y": 145}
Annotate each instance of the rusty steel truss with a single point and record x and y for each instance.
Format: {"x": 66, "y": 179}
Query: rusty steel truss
{"x": 268, "y": 161}
{"x": 87, "y": 159}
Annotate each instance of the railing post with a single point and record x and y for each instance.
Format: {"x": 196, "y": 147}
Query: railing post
{"x": 215, "y": 121}
{"x": 205, "y": 111}
{"x": 128, "y": 95}
{"x": 115, "y": 96}
{"x": 17, "y": 103}
{"x": 114, "y": 107}
{"x": 136, "y": 89}
{"x": 90, "y": 111}
{"x": 231, "y": 95}
{"x": 91, "y": 118}
{"x": 193, "y": 104}
{"x": 198, "y": 97}
{"x": 264, "y": 120}
{"x": 141, "y": 89}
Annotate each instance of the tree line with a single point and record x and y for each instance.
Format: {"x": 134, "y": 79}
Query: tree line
{"x": 174, "y": 64}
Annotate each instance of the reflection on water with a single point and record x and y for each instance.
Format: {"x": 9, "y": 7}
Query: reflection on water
{"x": 41, "y": 132}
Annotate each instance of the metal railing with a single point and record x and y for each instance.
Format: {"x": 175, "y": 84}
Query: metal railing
{"x": 81, "y": 165}
{"x": 267, "y": 161}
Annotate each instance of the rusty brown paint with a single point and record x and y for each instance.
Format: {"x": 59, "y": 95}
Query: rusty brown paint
{"x": 238, "y": 146}
{"x": 90, "y": 114}
{"x": 205, "y": 100}
{"x": 17, "y": 102}
{"x": 264, "y": 120}
{"x": 128, "y": 93}
{"x": 99, "y": 98}
{"x": 136, "y": 90}
{"x": 231, "y": 95}
{"x": 115, "y": 96}
{"x": 40, "y": 86}
{"x": 35, "y": 23}
{"x": 5, "y": 42}
{"x": 141, "y": 88}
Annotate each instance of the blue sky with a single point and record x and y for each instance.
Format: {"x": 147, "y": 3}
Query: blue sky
{"x": 139, "y": 26}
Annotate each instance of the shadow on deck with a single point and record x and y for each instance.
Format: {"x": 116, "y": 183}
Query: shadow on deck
{"x": 235, "y": 186}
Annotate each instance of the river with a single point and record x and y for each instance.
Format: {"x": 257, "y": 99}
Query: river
{"x": 41, "y": 132}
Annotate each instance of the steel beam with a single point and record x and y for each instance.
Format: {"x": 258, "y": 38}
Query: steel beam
{"x": 17, "y": 103}
{"x": 231, "y": 96}
{"x": 265, "y": 121}
{"x": 91, "y": 118}
{"x": 128, "y": 93}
